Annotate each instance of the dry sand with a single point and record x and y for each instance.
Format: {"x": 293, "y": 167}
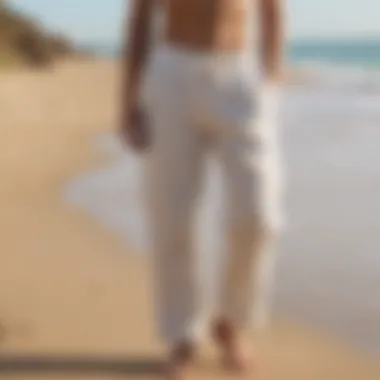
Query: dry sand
{"x": 72, "y": 301}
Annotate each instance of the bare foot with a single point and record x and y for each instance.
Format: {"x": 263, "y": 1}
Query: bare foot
{"x": 237, "y": 356}
{"x": 180, "y": 358}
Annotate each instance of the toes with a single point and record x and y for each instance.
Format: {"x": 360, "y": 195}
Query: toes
{"x": 180, "y": 358}
{"x": 235, "y": 348}
{"x": 237, "y": 362}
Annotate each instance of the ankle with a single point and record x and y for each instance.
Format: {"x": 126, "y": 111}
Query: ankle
{"x": 182, "y": 352}
{"x": 224, "y": 331}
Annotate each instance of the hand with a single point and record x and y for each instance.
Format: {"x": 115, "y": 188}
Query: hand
{"x": 134, "y": 127}
{"x": 276, "y": 76}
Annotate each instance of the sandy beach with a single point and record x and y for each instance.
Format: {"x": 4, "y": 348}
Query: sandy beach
{"x": 73, "y": 301}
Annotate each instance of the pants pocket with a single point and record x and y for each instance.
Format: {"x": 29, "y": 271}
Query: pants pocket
{"x": 235, "y": 101}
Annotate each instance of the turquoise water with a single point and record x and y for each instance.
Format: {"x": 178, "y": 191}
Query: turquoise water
{"x": 364, "y": 53}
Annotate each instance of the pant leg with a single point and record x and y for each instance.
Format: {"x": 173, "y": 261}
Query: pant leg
{"x": 250, "y": 162}
{"x": 173, "y": 175}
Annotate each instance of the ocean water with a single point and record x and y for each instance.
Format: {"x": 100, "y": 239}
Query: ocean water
{"x": 349, "y": 64}
{"x": 363, "y": 53}
{"x": 360, "y": 53}
{"x": 328, "y": 272}
{"x": 352, "y": 65}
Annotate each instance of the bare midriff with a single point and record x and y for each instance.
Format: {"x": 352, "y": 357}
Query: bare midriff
{"x": 207, "y": 25}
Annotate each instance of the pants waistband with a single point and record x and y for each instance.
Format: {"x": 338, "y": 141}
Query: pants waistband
{"x": 199, "y": 59}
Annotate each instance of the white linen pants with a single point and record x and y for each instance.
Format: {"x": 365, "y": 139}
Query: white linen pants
{"x": 200, "y": 103}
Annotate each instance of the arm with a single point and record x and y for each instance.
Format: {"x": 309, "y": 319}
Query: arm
{"x": 136, "y": 47}
{"x": 272, "y": 36}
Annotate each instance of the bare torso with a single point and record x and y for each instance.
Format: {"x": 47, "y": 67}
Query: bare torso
{"x": 207, "y": 25}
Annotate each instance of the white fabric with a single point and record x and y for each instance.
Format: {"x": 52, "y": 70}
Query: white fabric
{"x": 200, "y": 104}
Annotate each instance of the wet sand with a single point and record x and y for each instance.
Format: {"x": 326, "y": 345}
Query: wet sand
{"x": 73, "y": 301}
{"x": 328, "y": 263}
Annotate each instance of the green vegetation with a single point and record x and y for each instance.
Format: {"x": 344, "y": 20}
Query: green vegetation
{"x": 24, "y": 42}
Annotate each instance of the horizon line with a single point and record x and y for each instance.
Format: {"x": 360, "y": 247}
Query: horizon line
{"x": 303, "y": 39}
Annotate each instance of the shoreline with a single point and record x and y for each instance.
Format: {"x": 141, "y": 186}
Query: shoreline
{"x": 343, "y": 304}
{"x": 69, "y": 290}
{"x": 101, "y": 192}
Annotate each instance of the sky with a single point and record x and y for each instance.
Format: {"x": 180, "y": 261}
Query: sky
{"x": 100, "y": 20}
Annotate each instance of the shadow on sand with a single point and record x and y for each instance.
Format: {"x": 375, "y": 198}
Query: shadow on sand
{"x": 140, "y": 366}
